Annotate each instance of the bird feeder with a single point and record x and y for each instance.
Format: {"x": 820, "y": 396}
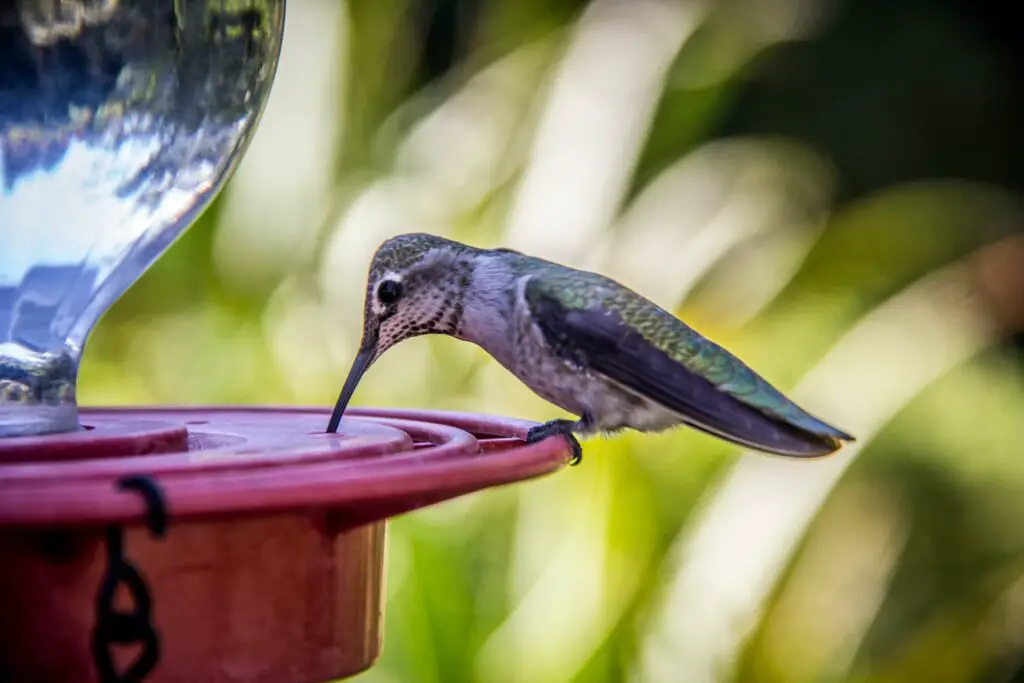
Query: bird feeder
{"x": 174, "y": 544}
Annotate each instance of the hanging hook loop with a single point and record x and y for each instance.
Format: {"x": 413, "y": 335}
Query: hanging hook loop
{"x": 132, "y": 626}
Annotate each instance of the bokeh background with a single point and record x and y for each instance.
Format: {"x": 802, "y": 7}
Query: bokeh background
{"x": 830, "y": 188}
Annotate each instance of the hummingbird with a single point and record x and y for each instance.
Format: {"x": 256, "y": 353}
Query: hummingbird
{"x": 579, "y": 340}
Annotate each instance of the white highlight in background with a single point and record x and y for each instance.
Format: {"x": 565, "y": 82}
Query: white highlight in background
{"x": 274, "y": 203}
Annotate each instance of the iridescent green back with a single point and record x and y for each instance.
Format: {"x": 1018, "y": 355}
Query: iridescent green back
{"x": 576, "y": 289}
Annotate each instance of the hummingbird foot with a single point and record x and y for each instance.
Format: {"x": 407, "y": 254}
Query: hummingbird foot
{"x": 562, "y": 428}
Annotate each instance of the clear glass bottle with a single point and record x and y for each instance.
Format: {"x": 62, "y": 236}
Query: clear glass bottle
{"x": 119, "y": 122}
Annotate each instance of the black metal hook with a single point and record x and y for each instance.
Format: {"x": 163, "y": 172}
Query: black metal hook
{"x": 135, "y": 626}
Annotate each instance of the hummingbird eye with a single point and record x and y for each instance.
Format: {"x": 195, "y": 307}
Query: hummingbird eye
{"x": 389, "y": 292}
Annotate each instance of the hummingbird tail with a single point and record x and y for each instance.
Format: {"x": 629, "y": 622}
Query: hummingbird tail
{"x": 748, "y": 427}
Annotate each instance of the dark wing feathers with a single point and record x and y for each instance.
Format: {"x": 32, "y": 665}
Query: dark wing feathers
{"x": 600, "y": 340}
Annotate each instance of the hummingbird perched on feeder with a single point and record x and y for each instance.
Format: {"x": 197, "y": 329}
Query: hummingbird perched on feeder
{"x": 581, "y": 341}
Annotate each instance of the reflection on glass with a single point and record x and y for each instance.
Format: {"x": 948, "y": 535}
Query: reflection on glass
{"x": 119, "y": 121}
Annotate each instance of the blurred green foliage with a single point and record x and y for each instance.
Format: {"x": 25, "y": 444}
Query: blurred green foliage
{"x": 852, "y": 157}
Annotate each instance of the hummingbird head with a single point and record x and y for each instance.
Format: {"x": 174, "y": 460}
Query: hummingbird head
{"x": 415, "y": 286}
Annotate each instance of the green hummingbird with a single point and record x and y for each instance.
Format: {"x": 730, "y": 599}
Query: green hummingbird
{"x": 579, "y": 340}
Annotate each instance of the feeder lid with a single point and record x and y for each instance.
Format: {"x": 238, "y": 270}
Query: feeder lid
{"x": 217, "y": 461}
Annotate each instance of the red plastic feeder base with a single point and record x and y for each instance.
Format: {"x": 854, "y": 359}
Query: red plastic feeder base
{"x": 271, "y": 568}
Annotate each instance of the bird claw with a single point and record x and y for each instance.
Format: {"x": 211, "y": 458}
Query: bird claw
{"x": 558, "y": 428}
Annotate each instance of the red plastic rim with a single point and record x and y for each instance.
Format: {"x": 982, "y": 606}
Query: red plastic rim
{"x": 230, "y": 461}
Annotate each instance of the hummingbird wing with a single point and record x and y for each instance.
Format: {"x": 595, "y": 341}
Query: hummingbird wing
{"x": 648, "y": 351}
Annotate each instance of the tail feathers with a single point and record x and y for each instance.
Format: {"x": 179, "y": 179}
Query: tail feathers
{"x": 750, "y": 428}
{"x": 775, "y": 405}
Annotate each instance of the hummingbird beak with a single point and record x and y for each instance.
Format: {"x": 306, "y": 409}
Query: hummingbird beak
{"x": 364, "y": 359}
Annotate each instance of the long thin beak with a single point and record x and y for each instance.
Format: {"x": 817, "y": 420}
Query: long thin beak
{"x": 362, "y": 362}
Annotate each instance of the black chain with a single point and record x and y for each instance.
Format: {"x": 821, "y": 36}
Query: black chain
{"x": 115, "y": 627}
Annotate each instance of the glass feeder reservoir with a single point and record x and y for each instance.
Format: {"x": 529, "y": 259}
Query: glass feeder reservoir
{"x": 119, "y": 121}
